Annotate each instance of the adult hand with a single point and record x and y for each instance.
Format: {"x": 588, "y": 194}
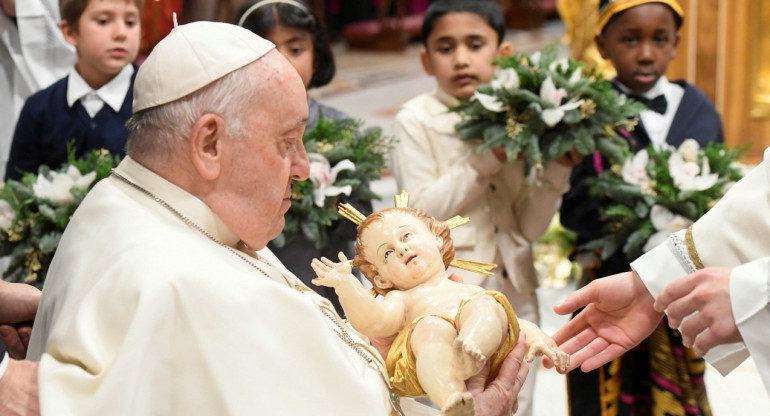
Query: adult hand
{"x": 18, "y": 389}
{"x": 18, "y": 303}
{"x": 500, "y": 397}
{"x": 570, "y": 159}
{"x": 705, "y": 295}
{"x": 618, "y": 315}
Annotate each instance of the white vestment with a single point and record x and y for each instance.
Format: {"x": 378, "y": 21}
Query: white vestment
{"x": 142, "y": 314}
{"x": 735, "y": 233}
{"x": 33, "y": 55}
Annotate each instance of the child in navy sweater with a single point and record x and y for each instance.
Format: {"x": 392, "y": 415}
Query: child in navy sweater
{"x": 90, "y": 105}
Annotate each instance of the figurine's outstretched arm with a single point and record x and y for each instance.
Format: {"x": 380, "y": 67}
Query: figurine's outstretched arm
{"x": 365, "y": 313}
{"x": 540, "y": 343}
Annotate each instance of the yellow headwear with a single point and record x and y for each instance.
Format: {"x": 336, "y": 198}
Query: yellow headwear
{"x": 614, "y": 7}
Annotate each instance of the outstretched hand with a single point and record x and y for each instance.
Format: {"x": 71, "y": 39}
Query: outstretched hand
{"x": 330, "y": 273}
{"x": 618, "y": 315}
{"x": 500, "y": 396}
{"x": 705, "y": 295}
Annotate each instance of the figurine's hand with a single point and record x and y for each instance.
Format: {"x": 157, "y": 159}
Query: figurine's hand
{"x": 330, "y": 273}
{"x": 548, "y": 348}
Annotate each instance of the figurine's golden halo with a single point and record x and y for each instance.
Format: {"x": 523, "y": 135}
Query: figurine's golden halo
{"x": 402, "y": 201}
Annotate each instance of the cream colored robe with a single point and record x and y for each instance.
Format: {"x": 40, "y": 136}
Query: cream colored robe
{"x": 735, "y": 233}
{"x": 143, "y": 315}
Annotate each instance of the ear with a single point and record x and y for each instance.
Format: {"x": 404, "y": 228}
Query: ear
{"x": 70, "y": 34}
{"x": 206, "y": 145}
{"x": 381, "y": 283}
{"x": 426, "y": 64}
{"x": 599, "y": 39}
{"x": 505, "y": 49}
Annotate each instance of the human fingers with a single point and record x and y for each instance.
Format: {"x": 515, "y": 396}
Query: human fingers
{"x": 13, "y": 343}
{"x": 577, "y": 299}
{"x": 25, "y": 333}
{"x": 675, "y": 290}
{"x": 679, "y": 309}
{"x": 608, "y": 354}
{"x": 721, "y": 332}
{"x": 574, "y": 328}
{"x": 692, "y": 327}
{"x": 456, "y": 278}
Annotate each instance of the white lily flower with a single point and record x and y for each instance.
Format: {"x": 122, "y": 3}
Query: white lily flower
{"x": 635, "y": 170}
{"x": 323, "y": 177}
{"x": 490, "y": 102}
{"x": 665, "y": 222}
{"x": 534, "y": 59}
{"x": 688, "y": 176}
{"x": 506, "y": 78}
{"x": 559, "y": 64}
{"x": 6, "y": 214}
{"x": 549, "y": 92}
{"x": 689, "y": 150}
{"x": 562, "y": 64}
{"x": 57, "y": 189}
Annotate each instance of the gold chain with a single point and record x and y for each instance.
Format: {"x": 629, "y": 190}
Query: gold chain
{"x": 342, "y": 333}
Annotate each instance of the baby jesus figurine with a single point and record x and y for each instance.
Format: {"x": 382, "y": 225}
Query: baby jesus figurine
{"x": 446, "y": 330}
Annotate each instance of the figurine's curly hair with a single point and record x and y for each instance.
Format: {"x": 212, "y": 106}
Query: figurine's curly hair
{"x": 438, "y": 228}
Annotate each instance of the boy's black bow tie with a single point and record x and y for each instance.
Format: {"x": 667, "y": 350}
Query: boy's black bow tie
{"x": 657, "y": 104}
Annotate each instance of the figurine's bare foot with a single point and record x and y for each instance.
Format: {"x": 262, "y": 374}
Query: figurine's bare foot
{"x": 459, "y": 404}
{"x": 471, "y": 358}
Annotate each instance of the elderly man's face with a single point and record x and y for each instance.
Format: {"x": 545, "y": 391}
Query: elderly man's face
{"x": 263, "y": 164}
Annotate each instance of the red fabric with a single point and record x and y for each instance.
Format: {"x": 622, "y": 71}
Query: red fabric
{"x": 157, "y": 22}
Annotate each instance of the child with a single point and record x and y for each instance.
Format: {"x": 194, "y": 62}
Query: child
{"x": 447, "y": 330}
{"x": 446, "y": 176}
{"x": 33, "y": 55}
{"x": 299, "y": 36}
{"x": 640, "y": 39}
{"x": 91, "y": 104}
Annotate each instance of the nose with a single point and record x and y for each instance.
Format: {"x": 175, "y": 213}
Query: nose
{"x": 300, "y": 167}
{"x": 402, "y": 249}
{"x": 120, "y": 29}
{"x": 645, "y": 52}
{"x": 461, "y": 57}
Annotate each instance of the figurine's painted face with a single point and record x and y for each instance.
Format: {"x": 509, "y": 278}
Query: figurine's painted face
{"x": 403, "y": 250}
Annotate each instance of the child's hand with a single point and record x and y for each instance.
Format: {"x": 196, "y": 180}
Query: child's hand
{"x": 570, "y": 159}
{"x": 330, "y": 273}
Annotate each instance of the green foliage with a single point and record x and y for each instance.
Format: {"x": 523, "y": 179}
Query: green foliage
{"x": 628, "y": 202}
{"x": 33, "y": 223}
{"x": 336, "y": 140}
{"x": 520, "y": 127}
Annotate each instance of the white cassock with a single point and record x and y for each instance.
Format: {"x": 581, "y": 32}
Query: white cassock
{"x": 142, "y": 314}
{"x": 735, "y": 233}
{"x": 33, "y": 55}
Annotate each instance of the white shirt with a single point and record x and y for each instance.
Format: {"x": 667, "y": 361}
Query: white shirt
{"x": 112, "y": 93}
{"x": 657, "y": 125}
